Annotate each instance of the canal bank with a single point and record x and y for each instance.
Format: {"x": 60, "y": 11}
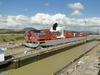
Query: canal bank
{"x": 21, "y": 59}
{"x": 52, "y": 63}
{"x": 75, "y": 67}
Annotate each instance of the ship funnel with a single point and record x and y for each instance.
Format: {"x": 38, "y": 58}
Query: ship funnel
{"x": 58, "y": 28}
{"x": 54, "y": 28}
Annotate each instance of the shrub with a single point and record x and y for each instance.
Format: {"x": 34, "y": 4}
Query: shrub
{"x": 12, "y": 37}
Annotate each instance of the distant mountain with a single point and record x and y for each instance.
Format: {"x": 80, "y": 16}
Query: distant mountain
{"x": 17, "y": 31}
{"x": 10, "y": 31}
{"x": 28, "y": 28}
{"x": 90, "y": 32}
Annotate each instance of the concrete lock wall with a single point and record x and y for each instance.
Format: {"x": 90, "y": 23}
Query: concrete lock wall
{"x": 1, "y": 55}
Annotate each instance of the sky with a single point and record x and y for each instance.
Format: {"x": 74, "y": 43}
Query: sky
{"x": 80, "y": 15}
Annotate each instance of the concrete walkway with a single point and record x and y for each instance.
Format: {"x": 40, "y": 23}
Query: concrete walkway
{"x": 84, "y": 66}
{"x": 88, "y": 68}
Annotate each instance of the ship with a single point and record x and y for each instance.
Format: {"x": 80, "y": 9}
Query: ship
{"x": 56, "y": 35}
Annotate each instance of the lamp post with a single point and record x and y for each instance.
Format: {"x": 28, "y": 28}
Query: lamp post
{"x": 85, "y": 39}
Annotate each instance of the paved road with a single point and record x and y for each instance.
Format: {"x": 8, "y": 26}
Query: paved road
{"x": 83, "y": 66}
{"x": 88, "y": 68}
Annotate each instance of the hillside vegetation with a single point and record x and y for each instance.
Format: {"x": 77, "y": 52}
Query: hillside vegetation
{"x": 15, "y": 31}
{"x": 7, "y": 35}
{"x": 11, "y": 37}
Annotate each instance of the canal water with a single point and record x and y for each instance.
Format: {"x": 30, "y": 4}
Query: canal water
{"x": 51, "y": 64}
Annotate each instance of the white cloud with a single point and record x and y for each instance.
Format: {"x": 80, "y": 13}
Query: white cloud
{"x": 17, "y": 21}
{"x": 14, "y": 6}
{"x": 26, "y": 9}
{"x": 40, "y": 20}
{"x": 76, "y": 13}
{"x": 76, "y": 6}
{"x": 46, "y": 4}
{"x": 44, "y": 19}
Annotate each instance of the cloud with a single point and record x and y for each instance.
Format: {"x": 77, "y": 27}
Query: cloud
{"x": 0, "y": 3}
{"x": 76, "y": 13}
{"x": 76, "y": 6}
{"x": 42, "y": 20}
{"x": 14, "y": 6}
{"x": 46, "y": 4}
{"x": 26, "y": 9}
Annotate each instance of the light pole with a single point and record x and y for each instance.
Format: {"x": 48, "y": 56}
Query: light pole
{"x": 85, "y": 39}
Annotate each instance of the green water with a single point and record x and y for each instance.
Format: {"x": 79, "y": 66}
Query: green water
{"x": 49, "y": 65}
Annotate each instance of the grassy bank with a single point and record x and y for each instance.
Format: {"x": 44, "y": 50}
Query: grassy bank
{"x": 11, "y": 37}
